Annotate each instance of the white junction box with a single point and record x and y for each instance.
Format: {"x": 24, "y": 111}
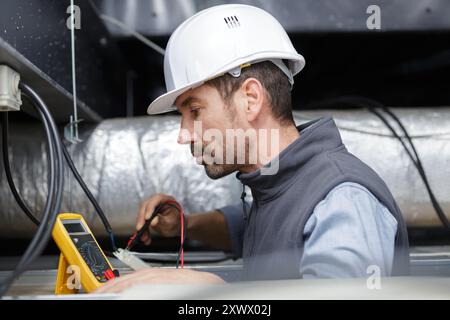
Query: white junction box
{"x": 9, "y": 89}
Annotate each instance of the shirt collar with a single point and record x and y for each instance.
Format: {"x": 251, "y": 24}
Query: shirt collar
{"x": 316, "y": 137}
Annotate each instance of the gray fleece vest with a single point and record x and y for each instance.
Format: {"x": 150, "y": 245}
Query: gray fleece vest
{"x": 309, "y": 168}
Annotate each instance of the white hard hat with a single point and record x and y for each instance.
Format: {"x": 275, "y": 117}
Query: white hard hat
{"x": 220, "y": 40}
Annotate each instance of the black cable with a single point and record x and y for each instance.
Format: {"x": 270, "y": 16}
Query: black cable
{"x": 51, "y": 198}
{"x": 437, "y": 207}
{"x": 55, "y": 189}
{"x": 55, "y": 148}
{"x": 72, "y": 167}
{"x": 8, "y": 172}
{"x": 56, "y": 176}
{"x": 182, "y": 243}
{"x": 90, "y": 196}
{"x": 184, "y": 232}
{"x": 415, "y": 158}
{"x": 372, "y": 106}
{"x": 56, "y": 173}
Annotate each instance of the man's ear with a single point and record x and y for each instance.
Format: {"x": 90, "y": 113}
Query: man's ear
{"x": 253, "y": 92}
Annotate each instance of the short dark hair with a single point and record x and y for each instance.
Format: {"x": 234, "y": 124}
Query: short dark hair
{"x": 274, "y": 81}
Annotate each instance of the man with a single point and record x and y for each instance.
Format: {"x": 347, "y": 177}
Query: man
{"x": 317, "y": 210}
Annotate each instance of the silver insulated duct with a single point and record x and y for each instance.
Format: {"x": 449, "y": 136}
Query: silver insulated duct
{"x": 123, "y": 161}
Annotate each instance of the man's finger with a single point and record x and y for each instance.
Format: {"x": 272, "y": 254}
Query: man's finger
{"x": 153, "y": 202}
{"x": 154, "y": 222}
{"x": 147, "y": 209}
{"x": 146, "y": 238}
{"x": 141, "y": 216}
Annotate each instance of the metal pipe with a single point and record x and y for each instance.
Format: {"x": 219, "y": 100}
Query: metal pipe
{"x": 123, "y": 161}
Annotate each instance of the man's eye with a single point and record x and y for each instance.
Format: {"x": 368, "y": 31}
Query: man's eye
{"x": 195, "y": 112}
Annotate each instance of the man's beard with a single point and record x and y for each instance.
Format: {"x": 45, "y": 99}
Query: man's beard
{"x": 215, "y": 170}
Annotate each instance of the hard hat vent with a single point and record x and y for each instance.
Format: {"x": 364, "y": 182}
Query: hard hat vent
{"x": 220, "y": 40}
{"x": 232, "y": 22}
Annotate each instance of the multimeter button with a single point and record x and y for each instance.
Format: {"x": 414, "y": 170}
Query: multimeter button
{"x": 109, "y": 274}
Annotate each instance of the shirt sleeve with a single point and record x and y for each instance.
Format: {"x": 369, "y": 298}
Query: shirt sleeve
{"x": 348, "y": 231}
{"x": 234, "y": 216}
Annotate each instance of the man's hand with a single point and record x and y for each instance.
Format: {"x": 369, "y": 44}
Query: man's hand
{"x": 166, "y": 223}
{"x": 159, "y": 276}
{"x": 210, "y": 228}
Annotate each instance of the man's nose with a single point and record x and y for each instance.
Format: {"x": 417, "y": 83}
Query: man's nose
{"x": 184, "y": 137}
{"x": 186, "y": 134}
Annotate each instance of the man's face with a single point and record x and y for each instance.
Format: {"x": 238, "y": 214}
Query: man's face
{"x": 204, "y": 124}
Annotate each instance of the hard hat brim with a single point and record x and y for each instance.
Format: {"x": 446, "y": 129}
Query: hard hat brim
{"x": 166, "y": 102}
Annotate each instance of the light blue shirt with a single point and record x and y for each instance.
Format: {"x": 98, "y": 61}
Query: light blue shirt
{"x": 348, "y": 231}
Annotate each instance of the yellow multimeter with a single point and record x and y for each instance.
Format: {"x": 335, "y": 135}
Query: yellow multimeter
{"x": 82, "y": 261}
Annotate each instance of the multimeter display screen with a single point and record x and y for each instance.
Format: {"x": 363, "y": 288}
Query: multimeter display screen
{"x": 74, "y": 227}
